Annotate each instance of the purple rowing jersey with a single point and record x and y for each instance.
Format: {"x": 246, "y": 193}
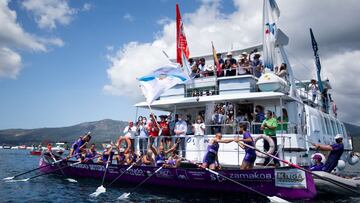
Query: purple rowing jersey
{"x": 317, "y": 167}
{"x": 334, "y": 156}
{"x": 105, "y": 157}
{"x": 210, "y": 156}
{"x": 249, "y": 150}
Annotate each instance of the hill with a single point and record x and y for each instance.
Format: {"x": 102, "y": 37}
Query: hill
{"x": 102, "y": 131}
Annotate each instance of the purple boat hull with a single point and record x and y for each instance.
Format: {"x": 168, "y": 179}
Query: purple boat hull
{"x": 293, "y": 185}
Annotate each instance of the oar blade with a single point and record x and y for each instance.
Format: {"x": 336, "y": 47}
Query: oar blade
{"x": 9, "y": 178}
{"x": 277, "y": 199}
{"x": 98, "y": 191}
{"x": 71, "y": 180}
{"x": 20, "y": 180}
{"x": 124, "y": 196}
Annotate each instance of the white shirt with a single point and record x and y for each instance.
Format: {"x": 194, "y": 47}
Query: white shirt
{"x": 199, "y": 128}
{"x": 130, "y": 133}
{"x": 181, "y": 125}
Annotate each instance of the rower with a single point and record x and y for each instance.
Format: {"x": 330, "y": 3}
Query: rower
{"x": 79, "y": 146}
{"x": 250, "y": 154}
{"x": 120, "y": 158}
{"x": 147, "y": 160}
{"x": 336, "y": 151}
{"x": 107, "y": 154}
{"x": 130, "y": 157}
{"x": 91, "y": 154}
{"x": 211, "y": 157}
{"x": 174, "y": 160}
{"x": 318, "y": 164}
{"x": 160, "y": 154}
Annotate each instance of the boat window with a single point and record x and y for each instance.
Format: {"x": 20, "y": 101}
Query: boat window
{"x": 323, "y": 125}
{"x": 328, "y": 130}
{"x": 314, "y": 124}
{"x": 339, "y": 127}
{"x": 343, "y": 129}
{"x": 333, "y": 125}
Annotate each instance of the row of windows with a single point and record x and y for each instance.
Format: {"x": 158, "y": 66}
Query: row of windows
{"x": 331, "y": 126}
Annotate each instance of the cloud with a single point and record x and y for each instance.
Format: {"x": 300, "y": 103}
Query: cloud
{"x": 87, "y": 7}
{"x": 10, "y": 63}
{"x": 49, "y": 13}
{"x": 336, "y": 34}
{"x": 13, "y": 38}
{"x": 129, "y": 17}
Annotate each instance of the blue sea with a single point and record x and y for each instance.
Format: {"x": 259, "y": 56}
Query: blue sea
{"x": 54, "y": 188}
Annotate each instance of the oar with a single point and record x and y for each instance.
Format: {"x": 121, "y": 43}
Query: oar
{"x": 272, "y": 198}
{"x": 127, "y": 194}
{"x": 66, "y": 178}
{"x": 42, "y": 174}
{"x": 301, "y": 168}
{"x": 133, "y": 164}
{"x": 101, "y": 188}
{"x": 15, "y": 176}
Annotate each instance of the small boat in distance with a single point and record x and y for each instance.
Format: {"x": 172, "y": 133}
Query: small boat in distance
{"x": 6, "y": 147}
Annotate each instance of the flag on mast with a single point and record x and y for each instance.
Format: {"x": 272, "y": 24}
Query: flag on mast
{"x": 181, "y": 43}
{"x": 271, "y": 14}
{"x": 160, "y": 80}
{"x": 317, "y": 60}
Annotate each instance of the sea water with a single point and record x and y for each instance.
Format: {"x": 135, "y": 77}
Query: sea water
{"x": 54, "y": 188}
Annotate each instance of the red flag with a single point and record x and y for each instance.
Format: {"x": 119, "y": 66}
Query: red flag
{"x": 216, "y": 60}
{"x": 181, "y": 43}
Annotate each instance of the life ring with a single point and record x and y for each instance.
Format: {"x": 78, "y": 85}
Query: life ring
{"x": 271, "y": 144}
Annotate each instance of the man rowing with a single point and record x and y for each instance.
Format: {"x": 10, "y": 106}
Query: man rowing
{"x": 91, "y": 153}
{"x": 106, "y": 155}
{"x": 211, "y": 157}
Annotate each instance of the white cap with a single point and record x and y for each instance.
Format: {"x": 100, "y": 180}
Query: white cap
{"x": 88, "y": 133}
{"x": 244, "y": 53}
{"x": 229, "y": 53}
{"x": 108, "y": 146}
{"x": 121, "y": 150}
{"x": 338, "y": 136}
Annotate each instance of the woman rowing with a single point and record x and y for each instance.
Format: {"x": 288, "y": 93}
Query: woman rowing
{"x": 79, "y": 146}
{"x": 107, "y": 155}
{"x": 91, "y": 153}
{"x": 160, "y": 153}
{"x": 147, "y": 159}
{"x": 211, "y": 157}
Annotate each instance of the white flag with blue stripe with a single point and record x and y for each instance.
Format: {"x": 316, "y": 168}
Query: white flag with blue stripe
{"x": 160, "y": 80}
{"x": 271, "y": 14}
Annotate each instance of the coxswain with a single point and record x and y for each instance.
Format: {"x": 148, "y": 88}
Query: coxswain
{"x": 336, "y": 151}
{"x": 91, "y": 153}
{"x": 250, "y": 154}
{"x": 318, "y": 164}
{"x": 211, "y": 157}
{"x": 160, "y": 153}
{"x": 79, "y": 146}
{"x": 106, "y": 155}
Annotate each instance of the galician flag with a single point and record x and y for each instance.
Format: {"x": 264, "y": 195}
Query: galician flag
{"x": 271, "y": 14}
{"x": 160, "y": 80}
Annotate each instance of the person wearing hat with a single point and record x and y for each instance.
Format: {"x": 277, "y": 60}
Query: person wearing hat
{"x": 318, "y": 164}
{"x": 230, "y": 63}
{"x": 313, "y": 88}
{"x": 256, "y": 63}
{"x": 106, "y": 155}
{"x": 244, "y": 67}
{"x": 336, "y": 150}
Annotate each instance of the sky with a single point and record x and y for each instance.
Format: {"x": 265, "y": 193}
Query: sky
{"x": 65, "y": 62}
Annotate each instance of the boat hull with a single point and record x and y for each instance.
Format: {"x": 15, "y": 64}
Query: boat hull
{"x": 265, "y": 181}
{"x": 335, "y": 185}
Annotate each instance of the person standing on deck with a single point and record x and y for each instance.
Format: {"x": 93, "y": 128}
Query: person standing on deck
{"x": 153, "y": 129}
{"x": 211, "y": 159}
{"x": 336, "y": 150}
{"x": 283, "y": 124}
{"x": 180, "y": 132}
{"x": 143, "y": 135}
{"x": 129, "y": 133}
{"x": 259, "y": 117}
{"x": 250, "y": 155}
{"x": 269, "y": 126}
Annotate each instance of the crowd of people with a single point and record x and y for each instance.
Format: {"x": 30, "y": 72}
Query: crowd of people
{"x": 246, "y": 64}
